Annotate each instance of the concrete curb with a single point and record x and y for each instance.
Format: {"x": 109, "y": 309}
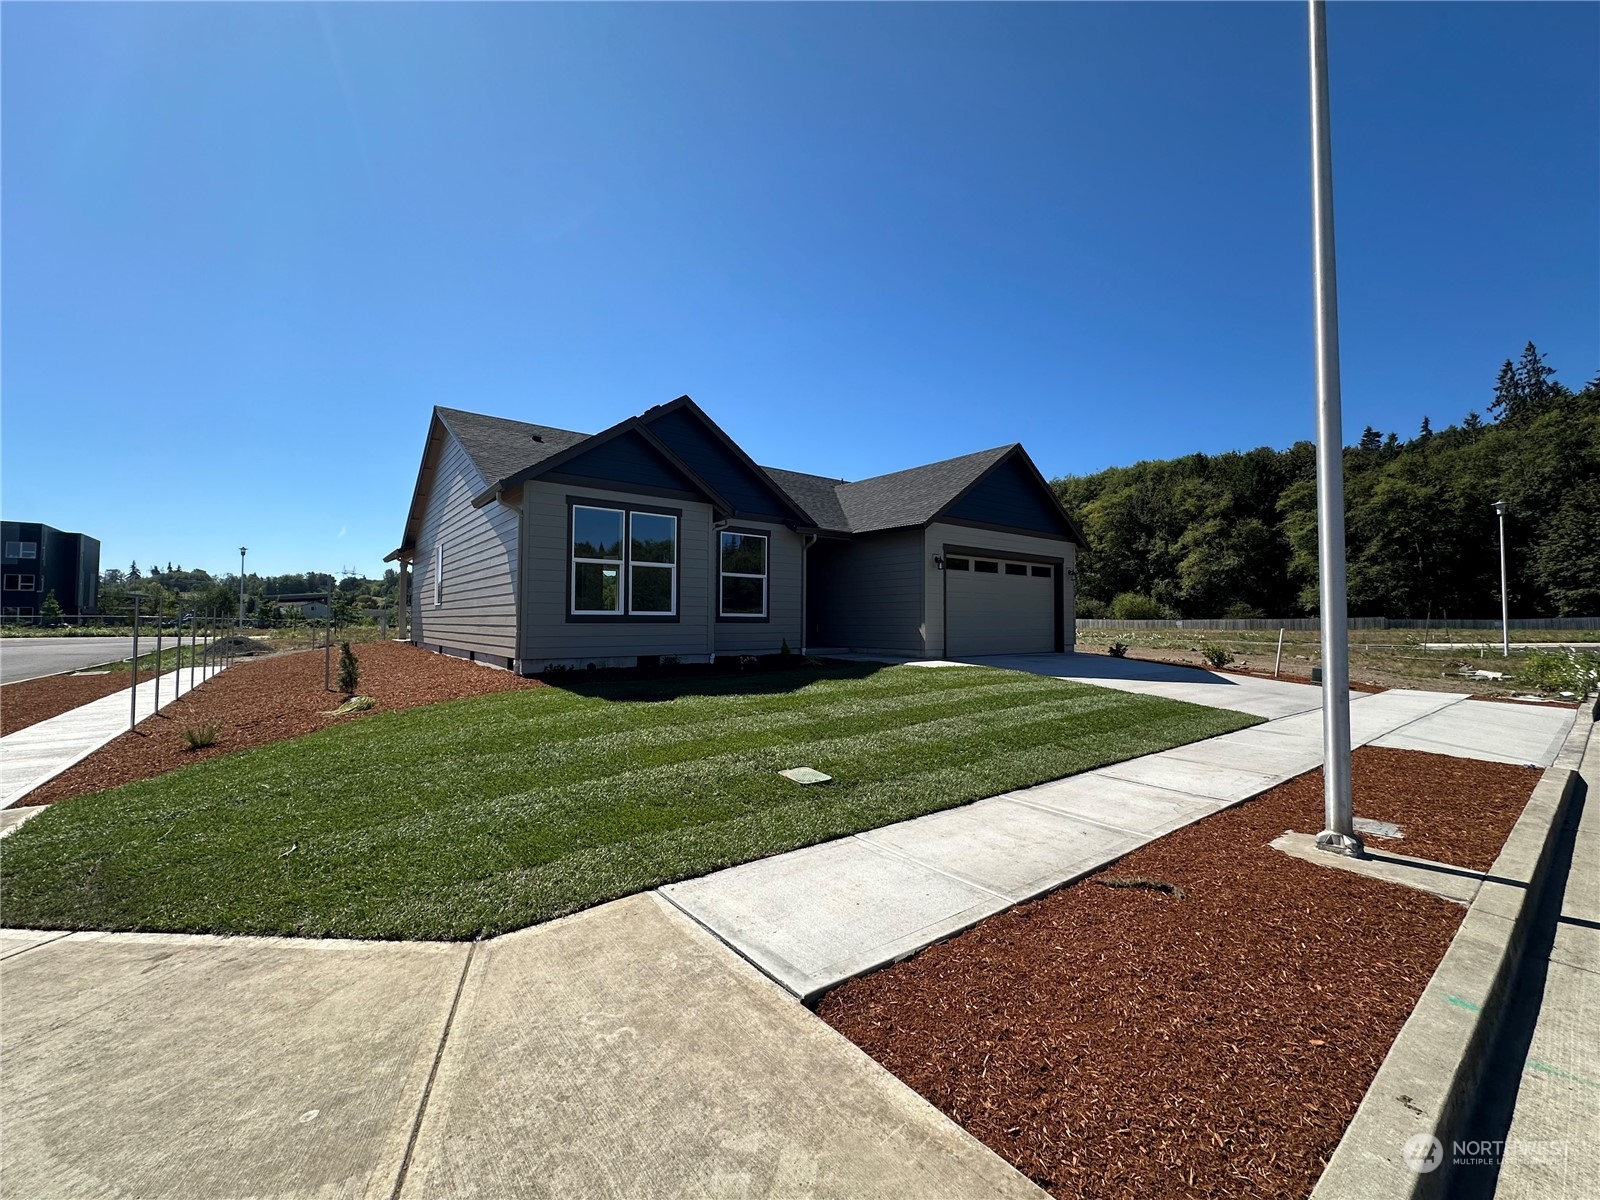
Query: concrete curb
{"x": 1428, "y": 1083}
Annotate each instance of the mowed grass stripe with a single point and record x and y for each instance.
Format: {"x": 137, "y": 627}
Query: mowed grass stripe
{"x": 492, "y": 813}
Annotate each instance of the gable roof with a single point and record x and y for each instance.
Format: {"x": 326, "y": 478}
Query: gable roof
{"x": 507, "y": 453}
{"x": 500, "y": 448}
{"x": 916, "y": 496}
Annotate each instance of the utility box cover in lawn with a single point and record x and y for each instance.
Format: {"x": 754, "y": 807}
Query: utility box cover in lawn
{"x": 806, "y": 775}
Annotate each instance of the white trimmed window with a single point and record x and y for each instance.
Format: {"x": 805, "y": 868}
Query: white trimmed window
{"x": 13, "y": 551}
{"x": 438, "y": 574}
{"x": 30, "y": 550}
{"x": 652, "y": 564}
{"x": 744, "y": 574}
{"x": 597, "y": 549}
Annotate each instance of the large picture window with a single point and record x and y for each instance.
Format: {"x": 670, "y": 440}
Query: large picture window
{"x": 744, "y": 574}
{"x": 624, "y": 562}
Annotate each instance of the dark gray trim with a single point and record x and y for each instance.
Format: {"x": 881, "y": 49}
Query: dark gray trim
{"x": 735, "y": 618}
{"x": 1033, "y": 533}
{"x": 587, "y": 481}
{"x": 625, "y": 583}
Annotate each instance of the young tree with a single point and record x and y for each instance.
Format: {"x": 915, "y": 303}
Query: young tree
{"x": 51, "y": 608}
{"x": 349, "y": 670}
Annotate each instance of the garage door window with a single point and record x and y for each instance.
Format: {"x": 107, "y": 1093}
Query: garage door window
{"x": 744, "y": 575}
{"x": 1041, "y": 572}
{"x": 958, "y": 564}
{"x": 988, "y": 568}
{"x": 1016, "y": 568}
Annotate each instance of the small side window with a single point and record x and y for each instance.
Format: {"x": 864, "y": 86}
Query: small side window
{"x": 988, "y": 568}
{"x": 958, "y": 564}
{"x": 1042, "y": 572}
{"x": 438, "y": 574}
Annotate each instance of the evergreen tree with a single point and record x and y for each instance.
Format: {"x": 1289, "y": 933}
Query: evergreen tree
{"x": 1508, "y": 392}
{"x": 349, "y": 670}
{"x": 1473, "y": 423}
{"x": 1425, "y": 434}
{"x": 51, "y": 608}
{"x": 133, "y": 571}
{"x": 1371, "y": 439}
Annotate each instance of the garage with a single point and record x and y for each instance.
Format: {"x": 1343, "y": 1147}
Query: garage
{"x": 999, "y": 605}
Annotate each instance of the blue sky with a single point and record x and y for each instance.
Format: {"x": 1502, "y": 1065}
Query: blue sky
{"x": 246, "y": 247}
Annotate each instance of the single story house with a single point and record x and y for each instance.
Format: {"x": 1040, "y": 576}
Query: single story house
{"x": 529, "y": 547}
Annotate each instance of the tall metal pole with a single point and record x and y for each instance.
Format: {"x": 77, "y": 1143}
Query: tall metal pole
{"x": 133, "y": 667}
{"x": 241, "y": 586}
{"x": 1505, "y": 600}
{"x": 1338, "y": 834}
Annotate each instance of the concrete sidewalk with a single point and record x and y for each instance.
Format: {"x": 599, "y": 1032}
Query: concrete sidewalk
{"x": 620, "y": 1052}
{"x": 37, "y": 754}
{"x": 815, "y": 917}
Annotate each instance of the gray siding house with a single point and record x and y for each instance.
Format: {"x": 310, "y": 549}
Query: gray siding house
{"x": 529, "y": 547}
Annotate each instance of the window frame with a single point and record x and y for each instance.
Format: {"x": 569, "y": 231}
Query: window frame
{"x": 11, "y": 582}
{"x": 623, "y": 614}
{"x": 27, "y": 583}
{"x": 28, "y": 550}
{"x": 766, "y": 575}
{"x": 438, "y": 573}
{"x": 986, "y": 566}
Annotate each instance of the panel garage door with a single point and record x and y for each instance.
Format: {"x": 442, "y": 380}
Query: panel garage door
{"x": 999, "y": 606}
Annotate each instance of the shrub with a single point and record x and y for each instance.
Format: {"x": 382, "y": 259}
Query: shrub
{"x": 1569, "y": 672}
{"x": 1240, "y": 609}
{"x": 349, "y": 669}
{"x": 1216, "y": 656}
{"x": 783, "y": 651}
{"x": 1118, "y": 649}
{"x": 201, "y": 736}
{"x": 1131, "y": 606}
{"x": 1091, "y": 609}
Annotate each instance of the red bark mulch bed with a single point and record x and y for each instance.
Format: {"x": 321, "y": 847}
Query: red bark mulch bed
{"x": 271, "y": 700}
{"x": 1120, "y": 1042}
{"x": 34, "y": 700}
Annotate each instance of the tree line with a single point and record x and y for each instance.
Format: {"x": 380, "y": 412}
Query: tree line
{"x": 174, "y": 589}
{"x": 1235, "y": 535}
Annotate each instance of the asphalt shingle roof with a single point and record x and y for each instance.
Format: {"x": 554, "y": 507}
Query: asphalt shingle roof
{"x": 500, "y": 448}
{"x": 912, "y": 497}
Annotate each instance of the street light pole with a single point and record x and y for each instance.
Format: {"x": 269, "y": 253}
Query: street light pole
{"x": 1505, "y": 601}
{"x": 1338, "y": 835}
{"x": 241, "y": 587}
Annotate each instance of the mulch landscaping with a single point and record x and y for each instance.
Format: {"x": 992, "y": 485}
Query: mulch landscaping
{"x": 271, "y": 700}
{"x": 1124, "y": 1042}
{"x": 34, "y": 700}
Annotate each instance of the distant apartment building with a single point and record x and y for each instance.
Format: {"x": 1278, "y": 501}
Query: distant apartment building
{"x": 39, "y": 560}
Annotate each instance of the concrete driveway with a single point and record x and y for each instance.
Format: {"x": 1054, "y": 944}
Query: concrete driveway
{"x": 1270, "y": 698}
{"x": 30, "y": 658}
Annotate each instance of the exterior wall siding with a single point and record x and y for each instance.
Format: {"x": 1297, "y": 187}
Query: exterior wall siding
{"x": 938, "y": 535}
{"x": 478, "y": 615}
{"x": 783, "y": 623}
{"x": 867, "y": 593}
{"x": 548, "y": 637}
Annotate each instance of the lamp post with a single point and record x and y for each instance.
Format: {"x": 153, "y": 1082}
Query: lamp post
{"x": 1338, "y": 835}
{"x": 241, "y": 587}
{"x": 1505, "y": 601}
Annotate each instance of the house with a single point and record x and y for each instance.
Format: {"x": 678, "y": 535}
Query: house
{"x": 311, "y": 606}
{"x": 530, "y": 547}
{"x": 39, "y": 560}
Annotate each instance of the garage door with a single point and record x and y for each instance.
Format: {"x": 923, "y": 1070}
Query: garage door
{"x": 998, "y": 606}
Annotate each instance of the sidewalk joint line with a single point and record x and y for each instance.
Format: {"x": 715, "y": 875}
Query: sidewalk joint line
{"x": 47, "y": 942}
{"x": 433, "y": 1072}
{"x": 906, "y": 856}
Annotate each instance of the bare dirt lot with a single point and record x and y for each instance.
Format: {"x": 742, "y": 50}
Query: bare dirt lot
{"x": 1118, "y": 1042}
{"x": 269, "y": 700}
{"x": 1378, "y": 658}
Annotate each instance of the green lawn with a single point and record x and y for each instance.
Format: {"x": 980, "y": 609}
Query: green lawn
{"x": 489, "y": 814}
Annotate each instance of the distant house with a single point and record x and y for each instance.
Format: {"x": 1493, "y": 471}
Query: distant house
{"x": 528, "y": 546}
{"x": 313, "y": 606}
{"x": 38, "y": 560}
